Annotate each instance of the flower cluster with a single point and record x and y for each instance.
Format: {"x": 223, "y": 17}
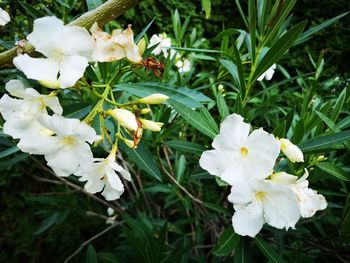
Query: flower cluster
{"x": 66, "y": 61}
{"x": 259, "y": 195}
{"x": 36, "y": 120}
{"x": 161, "y": 44}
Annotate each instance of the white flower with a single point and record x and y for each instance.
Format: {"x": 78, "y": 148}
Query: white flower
{"x": 68, "y": 150}
{"x": 21, "y": 114}
{"x": 125, "y": 118}
{"x": 293, "y": 153}
{"x": 103, "y": 175}
{"x": 238, "y": 155}
{"x": 262, "y": 201}
{"x": 114, "y": 47}
{"x": 4, "y": 17}
{"x": 163, "y": 44}
{"x": 268, "y": 74}
{"x": 67, "y": 48}
{"x": 308, "y": 200}
{"x": 183, "y": 65}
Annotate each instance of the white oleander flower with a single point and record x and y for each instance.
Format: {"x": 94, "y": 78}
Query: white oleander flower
{"x": 308, "y": 200}
{"x": 268, "y": 74}
{"x": 66, "y": 151}
{"x": 262, "y": 201}
{"x": 114, "y": 47}
{"x": 240, "y": 156}
{"x": 183, "y": 65}
{"x": 163, "y": 44}
{"x": 293, "y": 153}
{"x": 4, "y": 17}
{"x": 67, "y": 48}
{"x": 21, "y": 112}
{"x": 125, "y": 118}
{"x": 103, "y": 175}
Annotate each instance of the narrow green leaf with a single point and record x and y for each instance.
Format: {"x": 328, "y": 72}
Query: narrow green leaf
{"x": 334, "y": 170}
{"x": 326, "y": 120}
{"x": 184, "y": 146}
{"x": 47, "y": 223}
{"x": 194, "y": 118}
{"x": 252, "y": 27}
{"x": 232, "y": 69}
{"x": 91, "y": 256}
{"x": 8, "y": 151}
{"x": 143, "y": 32}
{"x": 268, "y": 251}
{"x": 217, "y": 208}
{"x": 298, "y": 132}
{"x": 227, "y": 243}
{"x": 242, "y": 253}
{"x": 206, "y": 4}
{"x": 313, "y": 30}
{"x": 338, "y": 105}
{"x": 186, "y": 96}
{"x": 278, "y": 50}
{"x": 325, "y": 142}
{"x": 143, "y": 158}
{"x": 222, "y": 106}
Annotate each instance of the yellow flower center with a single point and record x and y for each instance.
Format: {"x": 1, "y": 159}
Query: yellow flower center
{"x": 244, "y": 151}
{"x": 57, "y": 55}
{"x": 260, "y": 195}
{"x": 68, "y": 141}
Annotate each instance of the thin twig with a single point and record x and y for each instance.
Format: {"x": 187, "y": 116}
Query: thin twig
{"x": 92, "y": 239}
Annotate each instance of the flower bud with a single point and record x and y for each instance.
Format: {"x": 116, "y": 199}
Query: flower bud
{"x": 151, "y": 125}
{"x": 292, "y": 151}
{"x": 125, "y": 118}
{"x": 129, "y": 143}
{"x": 141, "y": 46}
{"x": 156, "y": 98}
{"x": 50, "y": 84}
{"x": 145, "y": 111}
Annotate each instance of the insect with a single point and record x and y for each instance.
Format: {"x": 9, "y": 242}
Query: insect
{"x": 156, "y": 66}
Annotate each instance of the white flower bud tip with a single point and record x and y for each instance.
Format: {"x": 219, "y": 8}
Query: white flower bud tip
{"x": 156, "y": 98}
{"x": 125, "y": 118}
{"x": 293, "y": 153}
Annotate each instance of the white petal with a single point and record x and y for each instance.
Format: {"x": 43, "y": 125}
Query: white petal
{"x": 16, "y": 88}
{"x": 64, "y": 162}
{"x": 263, "y": 150}
{"x": 37, "y": 68}
{"x": 46, "y": 29}
{"x": 36, "y": 144}
{"x": 233, "y": 133}
{"x": 9, "y": 106}
{"x": 4, "y": 17}
{"x": 241, "y": 193}
{"x": 126, "y": 175}
{"x": 54, "y": 104}
{"x": 281, "y": 209}
{"x": 79, "y": 42}
{"x": 114, "y": 179}
{"x": 72, "y": 69}
{"x": 249, "y": 220}
{"x": 215, "y": 161}
{"x": 110, "y": 193}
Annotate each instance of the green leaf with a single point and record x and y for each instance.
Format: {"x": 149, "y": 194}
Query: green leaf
{"x": 313, "y": 30}
{"x": 298, "y": 132}
{"x": 143, "y": 158}
{"x": 158, "y": 188}
{"x": 30, "y": 10}
{"x": 47, "y": 223}
{"x": 242, "y": 253}
{"x": 8, "y": 151}
{"x": 194, "y": 118}
{"x": 62, "y": 3}
{"x": 107, "y": 257}
{"x": 227, "y": 243}
{"x": 222, "y": 106}
{"x": 334, "y": 170}
{"x": 93, "y": 4}
{"x": 232, "y": 69}
{"x": 186, "y": 96}
{"x": 325, "y": 142}
{"x": 188, "y": 147}
{"x": 91, "y": 256}
{"x": 206, "y": 4}
{"x": 278, "y": 49}
{"x": 326, "y": 120}
{"x": 268, "y": 251}
{"x": 77, "y": 110}
{"x": 338, "y": 105}
{"x": 143, "y": 32}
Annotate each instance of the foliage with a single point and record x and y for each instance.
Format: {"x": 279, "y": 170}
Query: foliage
{"x": 173, "y": 211}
